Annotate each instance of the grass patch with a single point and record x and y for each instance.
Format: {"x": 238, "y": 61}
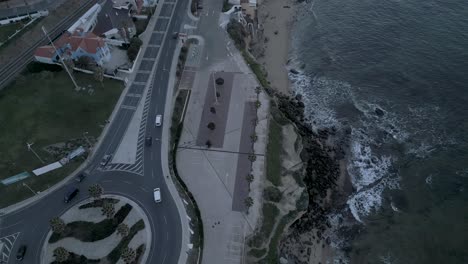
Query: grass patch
{"x": 257, "y": 253}
{"x": 45, "y": 109}
{"x": 8, "y": 30}
{"x": 272, "y": 194}
{"x": 90, "y": 232}
{"x": 272, "y": 256}
{"x": 7, "y": 41}
{"x": 139, "y": 253}
{"x": 274, "y": 150}
{"x": 98, "y": 203}
{"x": 269, "y": 212}
{"x": 114, "y": 256}
{"x": 257, "y": 69}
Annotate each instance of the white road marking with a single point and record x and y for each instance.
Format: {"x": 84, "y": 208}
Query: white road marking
{"x": 167, "y": 235}
{"x": 164, "y": 259}
{"x": 127, "y": 182}
{"x": 165, "y": 220}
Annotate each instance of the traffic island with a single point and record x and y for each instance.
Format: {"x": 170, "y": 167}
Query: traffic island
{"x": 110, "y": 229}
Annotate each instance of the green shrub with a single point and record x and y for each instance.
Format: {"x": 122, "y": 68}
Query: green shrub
{"x": 237, "y": 33}
{"x": 272, "y": 194}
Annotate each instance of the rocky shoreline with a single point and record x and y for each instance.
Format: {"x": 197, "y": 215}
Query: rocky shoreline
{"x": 307, "y": 239}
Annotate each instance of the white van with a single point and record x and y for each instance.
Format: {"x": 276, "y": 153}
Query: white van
{"x": 158, "y": 120}
{"x": 157, "y": 195}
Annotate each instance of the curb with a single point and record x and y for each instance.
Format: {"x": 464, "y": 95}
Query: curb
{"x": 189, "y": 12}
{"x": 165, "y": 158}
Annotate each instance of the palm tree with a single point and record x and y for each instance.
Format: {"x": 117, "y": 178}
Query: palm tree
{"x": 248, "y": 201}
{"x": 61, "y": 254}
{"x": 128, "y": 255}
{"x": 123, "y": 229}
{"x": 249, "y": 178}
{"x": 211, "y": 126}
{"x": 108, "y": 210}
{"x": 95, "y": 191}
{"x": 57, "y": 225}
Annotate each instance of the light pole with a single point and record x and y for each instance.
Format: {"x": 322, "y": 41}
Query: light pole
{"x": 89, "y": 142}
{"x": 27, "y": 186}
{"x": 61, "y": 59}
{"x": 32, "y": 150}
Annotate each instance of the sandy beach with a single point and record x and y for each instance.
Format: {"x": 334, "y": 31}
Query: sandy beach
{"x": 272, "y": 49}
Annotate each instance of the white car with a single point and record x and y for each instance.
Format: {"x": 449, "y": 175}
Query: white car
{"x": 158, "y": 120}
{"x": 157, "y": 195}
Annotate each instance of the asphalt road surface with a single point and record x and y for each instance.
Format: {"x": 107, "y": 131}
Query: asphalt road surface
{"x": 32, "y": 222}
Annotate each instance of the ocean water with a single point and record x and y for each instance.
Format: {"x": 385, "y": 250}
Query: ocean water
{"x": 396, "y": 73}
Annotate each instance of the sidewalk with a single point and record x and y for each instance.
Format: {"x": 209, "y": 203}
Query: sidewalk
{"x": 221, "y": 170}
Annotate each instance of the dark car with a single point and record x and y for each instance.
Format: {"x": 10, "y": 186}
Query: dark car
{"x": 70, "y": 194}
{"x": 175, "y": 35}
{"x": 80, "y": 177}
{"x": 21, "y": 252}
{"x": 149, "y": 141}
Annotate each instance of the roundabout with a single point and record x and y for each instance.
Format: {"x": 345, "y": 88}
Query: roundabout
{"x": 108, "y": 229}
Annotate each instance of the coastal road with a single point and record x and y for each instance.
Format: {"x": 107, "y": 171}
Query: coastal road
{"x": 32, "y": 222}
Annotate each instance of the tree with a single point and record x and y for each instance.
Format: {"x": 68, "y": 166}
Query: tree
{"x": 61, "y": 254}
{"x": 128, "y": 255}
{"x": 219, "y": 81}
{"x": 123, "y": 229}
{"x": 248, "y": 201}
{"x": 249, "y": 178}
{"x": 95, "y": 191}
{"x": 84, "y": 62}
{"x": 211, "y": 126}
{"x": 237, "y": 32}
{"x": 99, "y": 75}
{"x": 108, "y": 209}
{"x": 57, "y": 225}
{"x": 134, "y": 48}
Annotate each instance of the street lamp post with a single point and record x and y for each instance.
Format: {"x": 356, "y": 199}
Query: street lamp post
{"x": 61, "y": 59}
{"x": 27, "y": 186}
{"x": 29, "y": 145}
{"x": 89, "y": 142}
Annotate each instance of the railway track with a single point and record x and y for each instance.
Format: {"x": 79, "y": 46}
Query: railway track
{"x": 9, "y": 71}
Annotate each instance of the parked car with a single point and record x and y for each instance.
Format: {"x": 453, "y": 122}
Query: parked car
{"x": 149, "y": 141}
{"x": 158, "y": 120}
{"x": 175, "y": 35}
{"x": 21, "y": 252}
{"x": 106, "y": 159}
{"x": 70, "y": 194}
{"x": 80, "y": 177}
{"x": 157, "y": 195}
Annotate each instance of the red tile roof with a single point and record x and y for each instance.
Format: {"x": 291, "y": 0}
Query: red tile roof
{"x": 45, "y": 52}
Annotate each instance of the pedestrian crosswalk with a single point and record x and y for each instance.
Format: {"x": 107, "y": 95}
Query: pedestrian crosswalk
{"x": 137, "y": 167}
{"x": 6, "y": 245}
